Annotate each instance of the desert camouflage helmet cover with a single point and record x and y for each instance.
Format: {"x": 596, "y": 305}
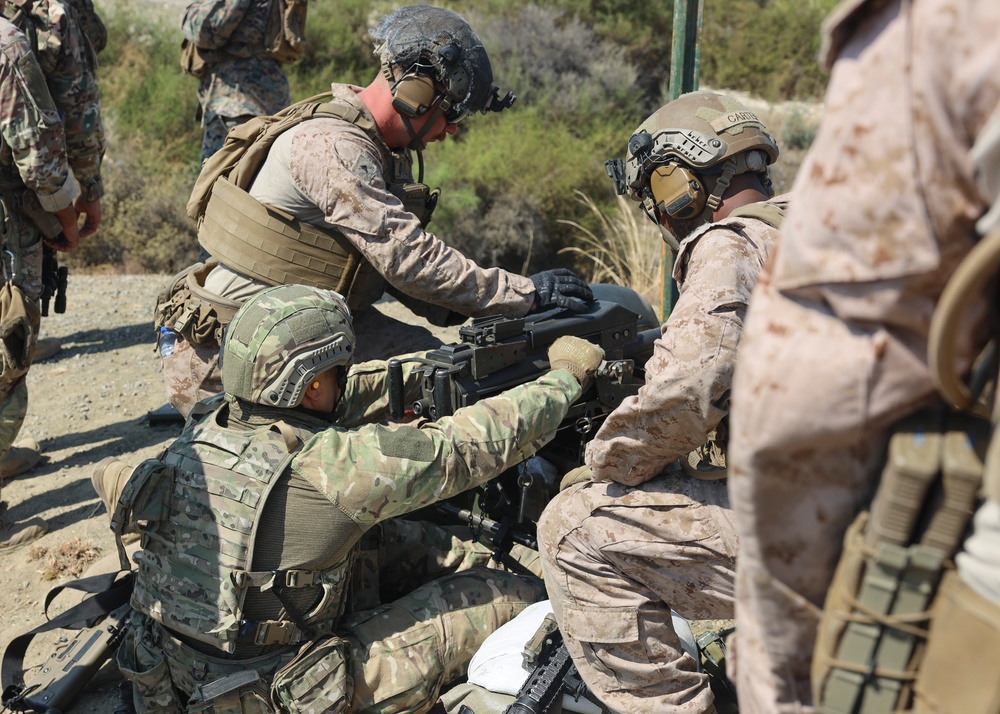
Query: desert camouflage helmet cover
{"x": 700, "y": 130}
{"x": 280, "y": 339}
{"x": 443, "y": 41}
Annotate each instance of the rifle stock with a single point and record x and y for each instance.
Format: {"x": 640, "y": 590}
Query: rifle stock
{"x": 67, "y": 671}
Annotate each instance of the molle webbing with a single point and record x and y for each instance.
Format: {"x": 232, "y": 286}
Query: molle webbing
{"x": 276, "y": 248}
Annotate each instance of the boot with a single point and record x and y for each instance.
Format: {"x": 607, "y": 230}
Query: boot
{"x": 13, "y": 535}
{"x": 45, "y": 348}
{"x": 109, "y": 478}
{"x": 20, "y": 458}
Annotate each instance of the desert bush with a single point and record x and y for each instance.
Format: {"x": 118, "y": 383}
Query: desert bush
{"x": 766, "y": 47}
{"x": 144, "y": 226}
{"x": 799, "y": 131}
{"x": 625, "y": 249}
{"x": 587, "y": 72}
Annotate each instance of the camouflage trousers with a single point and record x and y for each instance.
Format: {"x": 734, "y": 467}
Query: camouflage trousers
{"x": 392, "y": 658}
{"x": 616, "y": 560}
{"x": 215, "y": 133}
{"x": 192, "y": 373}
{"x": 27, "y": 275}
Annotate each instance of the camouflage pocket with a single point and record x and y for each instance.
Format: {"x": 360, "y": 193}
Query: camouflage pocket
{"x": 315, "y": 680}
{"x": 19, "y": 322}
{"x": 146, "y": 668}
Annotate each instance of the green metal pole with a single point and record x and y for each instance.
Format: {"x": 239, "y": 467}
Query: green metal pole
{"x": 685, "y": 55}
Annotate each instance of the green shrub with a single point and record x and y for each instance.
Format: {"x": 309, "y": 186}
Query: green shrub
{"x": 586, "y": 71}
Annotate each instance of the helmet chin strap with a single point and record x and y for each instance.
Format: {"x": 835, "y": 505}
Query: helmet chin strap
{"x": 417, "y": 138}
{"x": 721, "y": 184}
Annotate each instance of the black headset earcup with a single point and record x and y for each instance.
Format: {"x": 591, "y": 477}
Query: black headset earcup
{"x": 677, "y": 191}
{"x": 413, "y": 94}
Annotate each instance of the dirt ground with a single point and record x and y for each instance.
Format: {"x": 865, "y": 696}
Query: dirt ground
{"x": 87, "y": 402}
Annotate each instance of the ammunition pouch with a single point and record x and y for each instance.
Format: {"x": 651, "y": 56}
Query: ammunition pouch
{"x": 964, "y": 638}
{"x": 316, "y": 679}
{"x": 274, "y": 247}
{"x": 197, "y": 61}
{"x": 873, "y": 629}
{"x": 186, "y": 307}
{"x": 418, "y": 199}
{"x": 19, "y": 322}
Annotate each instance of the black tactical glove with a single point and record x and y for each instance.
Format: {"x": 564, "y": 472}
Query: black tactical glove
{"x": 561, "y": 288}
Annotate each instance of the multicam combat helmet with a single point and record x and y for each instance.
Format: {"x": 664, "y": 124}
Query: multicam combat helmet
{"x": 440, "y": 44}
{"x": 696, "y": 135}
{"x": 281, "y": 339}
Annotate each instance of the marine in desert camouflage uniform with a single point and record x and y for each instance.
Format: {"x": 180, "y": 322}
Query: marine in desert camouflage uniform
{"x": 241, "y": 81}
{"x": 886, "y": 206}
{"x": 646, "y": 535}
{"x": 255, "y": 522}
{"x": 32, "y": 161}
{"x": 330, "y": 173}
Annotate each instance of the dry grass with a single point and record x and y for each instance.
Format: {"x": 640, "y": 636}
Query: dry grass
{"x": 625, "y": 250}
{"x": 67, "y": 560}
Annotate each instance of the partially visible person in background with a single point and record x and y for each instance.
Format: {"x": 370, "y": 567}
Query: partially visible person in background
{"x": 36, "y": 186}
{"x": 55, "y": 33}
{"x": 228, "y": 47}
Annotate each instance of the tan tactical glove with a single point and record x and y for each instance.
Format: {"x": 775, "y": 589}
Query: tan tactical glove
{"x": 577, "y": 356}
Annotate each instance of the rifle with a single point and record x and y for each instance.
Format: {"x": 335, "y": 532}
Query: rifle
{"x": 54, "y": 280}
{"x": 496, "y": 354}
{"x": 73, "y": 664}
{"x": 552, "y": 675}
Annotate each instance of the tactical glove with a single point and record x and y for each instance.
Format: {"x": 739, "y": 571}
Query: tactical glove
{"x": 561, "y": 288}
{"x": 577, "y": 356}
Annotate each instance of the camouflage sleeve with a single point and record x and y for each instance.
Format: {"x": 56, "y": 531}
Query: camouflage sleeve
{"x": 210, "y": 23}
{"x": 688, "y": 377}
{"x": 379, "y": 472}
{"x": 353, "y": 197}
{"x": 366, "y": 399}
{"x": 70, "y": 67}
{"x": 30, "y": 124}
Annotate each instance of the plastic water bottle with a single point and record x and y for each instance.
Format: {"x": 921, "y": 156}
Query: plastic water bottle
{"x": 166, "y": 342}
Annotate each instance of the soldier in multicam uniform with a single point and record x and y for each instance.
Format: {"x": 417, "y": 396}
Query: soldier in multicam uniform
{"x": 886, "y": 206}
{"x": 653, "y": 529}
{"x": 33, "y": 166}
{"x": 69, "y": 65}
{"x": 347, "y": 178}
{"x": 240, "y": 79}
{"x": 66, "y": 37}
{"x": 256, "y": 522}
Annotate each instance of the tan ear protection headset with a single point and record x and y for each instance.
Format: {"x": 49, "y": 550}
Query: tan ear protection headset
{"x": 413, "y": 94}
{"x": 677, "y": 191}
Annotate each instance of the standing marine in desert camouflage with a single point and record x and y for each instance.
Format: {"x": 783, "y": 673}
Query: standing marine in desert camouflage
{"x": 897, "y": 188}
